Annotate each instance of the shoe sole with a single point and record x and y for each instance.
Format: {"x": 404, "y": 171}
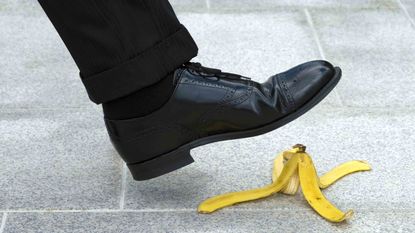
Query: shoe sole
{"x": 181, "y": 157}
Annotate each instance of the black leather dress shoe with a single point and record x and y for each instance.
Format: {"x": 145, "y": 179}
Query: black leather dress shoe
{"x": 209, "y": 106}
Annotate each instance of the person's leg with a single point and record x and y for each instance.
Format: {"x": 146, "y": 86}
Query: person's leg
{"x": 126, "y": 50}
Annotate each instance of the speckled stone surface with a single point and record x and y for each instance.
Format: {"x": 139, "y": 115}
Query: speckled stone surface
{"x": 409, "y": 6}
{"x": 190, "y": 5}
{"x": 187, "y": 222}
{"x": 20, "y": 7}
{"x": 377, "y": 52}
{"x": 244, "y": 5}
{"x": 334, "y": 136}
{"x": 3, "y": 219}
{"x": 269, "y": 44}
{"x": 222, "y": 37}
{"x": 32, "y": 50}
{"x": 57, "y": 159}
{"x": 59, "y": 172}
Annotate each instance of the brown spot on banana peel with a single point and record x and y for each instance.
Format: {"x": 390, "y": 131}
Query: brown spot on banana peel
{"x": 313, "y": 194}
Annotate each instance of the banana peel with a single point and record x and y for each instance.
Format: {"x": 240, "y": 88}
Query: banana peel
{"x": 292, "y": 169}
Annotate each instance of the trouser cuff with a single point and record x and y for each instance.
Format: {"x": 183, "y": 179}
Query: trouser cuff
{"x": 146, "y": 69}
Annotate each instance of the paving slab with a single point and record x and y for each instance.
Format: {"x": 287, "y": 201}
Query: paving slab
{"x": 57, "y": 160}
{"x": 334, "y": 136}
{"x": 59, "y": 172}
{"x": 409, "y": 6}
{"x": 270, "y": 43}
{"x": 3, "y": 221}
{"x": 186, "y": 222}
{"x": 35, "y": 67}
{"x": 33, "y": 51}
{"x": 377, "y": 54}
{"x": 30, "y": 7}
{"x": 189, "y": 5}
{"x": 20, "y": 7}
{"x": 268, "y": 5}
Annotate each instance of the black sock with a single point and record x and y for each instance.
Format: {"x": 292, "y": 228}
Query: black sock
{"x": 142, "y": 102}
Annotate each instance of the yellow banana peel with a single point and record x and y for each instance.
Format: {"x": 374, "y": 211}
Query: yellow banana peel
{"x": 292, "y": 169}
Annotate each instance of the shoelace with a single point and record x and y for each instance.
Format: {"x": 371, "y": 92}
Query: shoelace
{"x": 206, "y": 71}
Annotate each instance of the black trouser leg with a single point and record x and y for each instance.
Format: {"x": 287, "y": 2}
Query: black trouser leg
{"x": 121, "y": 46}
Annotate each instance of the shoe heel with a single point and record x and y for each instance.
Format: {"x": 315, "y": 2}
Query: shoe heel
{"x": 161, "y": 165}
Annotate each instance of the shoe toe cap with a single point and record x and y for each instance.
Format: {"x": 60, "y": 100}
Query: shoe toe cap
{"x": 304, "y": 81}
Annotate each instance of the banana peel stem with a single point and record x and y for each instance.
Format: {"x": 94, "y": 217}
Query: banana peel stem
{"x": 292, "y": 169}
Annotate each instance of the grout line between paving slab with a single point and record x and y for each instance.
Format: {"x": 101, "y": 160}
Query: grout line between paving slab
{"x": 101, "y": 211}
{"x": 405, "y": 11}
{"x": 320, "y": 48}
{"x": 314, "y": 31}
{"x": 3, "y": 222}
{"x": 123, "y": 186}
{"x": 185, "y": 210}
{"x": 207, "y": 5}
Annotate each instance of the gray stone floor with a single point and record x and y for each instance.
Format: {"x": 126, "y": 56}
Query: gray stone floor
{"x": 59, "y": 173}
